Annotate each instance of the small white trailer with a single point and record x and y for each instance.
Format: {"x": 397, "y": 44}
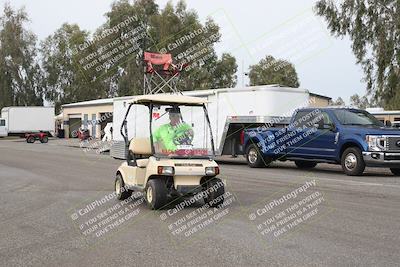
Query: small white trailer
{"x": 22, "y": 120}
{"x": 230, "y": 111}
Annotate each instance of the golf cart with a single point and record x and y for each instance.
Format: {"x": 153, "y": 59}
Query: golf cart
{"x": 172, "y": 154}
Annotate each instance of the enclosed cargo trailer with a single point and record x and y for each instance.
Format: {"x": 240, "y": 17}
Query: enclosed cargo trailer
{"x": 22, "y": 120}
{"x": 230, "y": 110}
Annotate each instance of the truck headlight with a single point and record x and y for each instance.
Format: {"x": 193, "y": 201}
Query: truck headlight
{"x": 165, "y": 170}
{"x": 375, "y": 142}
{"x": 212, "y": 171}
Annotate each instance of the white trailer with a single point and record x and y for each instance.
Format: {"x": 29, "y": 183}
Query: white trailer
{"x": 21, "y": 120}
{"x": 230, "y": 111}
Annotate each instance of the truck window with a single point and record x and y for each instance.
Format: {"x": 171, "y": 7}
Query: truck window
{"x": 308, "y": 118}
{"x": 2, "y": 122}
{"x": 356, "y": 117}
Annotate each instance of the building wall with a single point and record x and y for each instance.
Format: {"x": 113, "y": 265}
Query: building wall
{"x": 318, "y": 102}
{"x": 388, "y": 117}
{"x": 80, "y": 111}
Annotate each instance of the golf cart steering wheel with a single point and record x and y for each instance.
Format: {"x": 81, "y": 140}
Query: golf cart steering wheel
{"x": 185, "y": 138}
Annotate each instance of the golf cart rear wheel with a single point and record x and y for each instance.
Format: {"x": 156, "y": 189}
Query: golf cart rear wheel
{"x": 120, "y": 190}
{"x": 255, "y": 158}
{"x": 44, "y": 140}
{"x": 305, "y": 164}
{"x": 214, "y": 195}
{"x": 156, "y": 193}
{"x": 30, "y": 140}
{"x": 395, "y": 171}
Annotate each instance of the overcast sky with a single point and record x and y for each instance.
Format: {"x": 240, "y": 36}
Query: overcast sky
{"x": 250, "y": 30}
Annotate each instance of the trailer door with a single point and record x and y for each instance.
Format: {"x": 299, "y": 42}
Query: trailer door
{"x": 3, "y": 127}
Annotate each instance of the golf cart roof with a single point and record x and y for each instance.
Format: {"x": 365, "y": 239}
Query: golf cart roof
{"x": 169, "y": 99}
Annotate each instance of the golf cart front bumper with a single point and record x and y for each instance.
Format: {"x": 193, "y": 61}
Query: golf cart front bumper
{"x": 382, "y": 159}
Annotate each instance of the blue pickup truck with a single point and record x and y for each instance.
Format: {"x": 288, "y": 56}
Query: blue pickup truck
{"x": 350, "y": 137}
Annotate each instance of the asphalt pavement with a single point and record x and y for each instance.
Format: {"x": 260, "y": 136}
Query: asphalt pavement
{"x": 58, "y": 209}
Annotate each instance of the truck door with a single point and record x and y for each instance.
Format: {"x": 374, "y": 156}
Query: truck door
{"x": 314, "y": 136}
{"x": 3, "y": 127}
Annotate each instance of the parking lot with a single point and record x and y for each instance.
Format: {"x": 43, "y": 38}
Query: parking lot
{"x": 45, "y": 188}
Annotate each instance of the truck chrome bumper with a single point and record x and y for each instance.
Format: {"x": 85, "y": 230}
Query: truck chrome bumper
{"x": 381, "y": 159}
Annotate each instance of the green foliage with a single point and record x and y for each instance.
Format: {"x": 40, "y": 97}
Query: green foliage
{"x": 65, "y": 75}
{"x": 65, "y": 81}
{"x": 273, "y": 71}
{"x": 363, "y": 102}
{"x": 164, "y": 29}
{"x": 224, "y": 72}
{"x": 338, "y": 102}
{"x": 374, "y": 28}
{"x": 21, "y": 77}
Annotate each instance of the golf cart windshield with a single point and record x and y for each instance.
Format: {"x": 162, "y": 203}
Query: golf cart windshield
{"x": 180, "y": 131}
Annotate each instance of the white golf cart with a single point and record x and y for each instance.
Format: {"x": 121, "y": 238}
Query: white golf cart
{"x": 176, "y": 159}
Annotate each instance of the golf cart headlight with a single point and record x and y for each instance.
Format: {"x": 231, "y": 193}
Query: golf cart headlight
{"x": 212, "y": 171}
{"x": 166, "y": 170}
{"x": 375, "y": 142}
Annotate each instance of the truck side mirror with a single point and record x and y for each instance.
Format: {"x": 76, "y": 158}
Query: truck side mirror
{"x": 319, "y": 124}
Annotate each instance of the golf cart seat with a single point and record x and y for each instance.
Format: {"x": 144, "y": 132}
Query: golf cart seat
{"x": 141, "y": 148}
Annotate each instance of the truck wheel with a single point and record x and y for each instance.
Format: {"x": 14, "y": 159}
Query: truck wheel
{"x": 395, "y": 171}
{"x": 255, "y": 158}
{"x": 352, "y": 161}
{"x": 156, "y": 194}
{"x": 44, "y": 140}
{"x": 305, "y": 164}
{"x": 120, "y": 190}
{"x": 30, "y": 140}
{"x": 214, "y": 195}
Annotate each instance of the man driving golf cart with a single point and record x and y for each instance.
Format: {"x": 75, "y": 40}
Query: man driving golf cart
{"x": 168, "y": 161}
{"x": 173, "y": 134}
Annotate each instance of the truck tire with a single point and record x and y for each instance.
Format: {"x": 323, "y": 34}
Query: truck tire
{"x": 155, "y": 193}
{"x": 44, "y": 140}
{"x": 214, "y": 195}
{"x": 255, "y": 158}
{"x": 305, "y": 164}
{"x": 120, "y": 190}
{"x": 352, "y": 161}
{"x": 395, "y": 171}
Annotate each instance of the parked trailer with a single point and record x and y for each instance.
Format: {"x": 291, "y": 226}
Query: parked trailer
{"x": 230, "y": 110}
{"x": 23, "y": 120}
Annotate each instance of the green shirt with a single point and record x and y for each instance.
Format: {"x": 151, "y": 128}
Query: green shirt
{"x": 169, "y": 135}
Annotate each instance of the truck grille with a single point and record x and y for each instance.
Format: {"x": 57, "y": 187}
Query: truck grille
{"x": 393, "y": 143}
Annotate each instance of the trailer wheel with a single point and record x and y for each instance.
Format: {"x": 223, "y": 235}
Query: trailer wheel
{"x": 352, "y": 161}
{"x": 214, "y": 195}
{"x": 44, "y": 140}
{"x": 30, "y": 139}
{"x": 120, "y": 190}
{"x": 395, "y": 171}
{"x": 255, "y": 158}
{"x": 155, "y": 193}
{"x": 305, "y": 164}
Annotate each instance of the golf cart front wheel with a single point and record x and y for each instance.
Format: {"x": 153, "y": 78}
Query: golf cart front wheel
{"x": 156, "y": 193}
{"x": 120, "y": 190}
{"x": 214, "y": 195}
{"x": 44, "y": 140}
{"x": 30, "y": 140}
